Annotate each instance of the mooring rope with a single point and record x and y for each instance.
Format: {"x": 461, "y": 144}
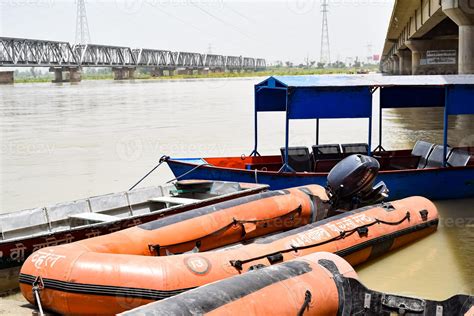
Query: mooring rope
{"x": 162, "y": 160}
{"x": 37, "y": 286}
{"x": 307, "y": 299}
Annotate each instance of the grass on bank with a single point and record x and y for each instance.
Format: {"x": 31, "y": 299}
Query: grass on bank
{"x": 279, "y": 71}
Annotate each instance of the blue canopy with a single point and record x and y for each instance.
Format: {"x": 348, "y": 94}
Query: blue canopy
{"x": 312, "y": 97}
{"x": 396, "y": 92}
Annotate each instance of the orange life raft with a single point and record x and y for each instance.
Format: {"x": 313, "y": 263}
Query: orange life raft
{"x": 317, "y": 284}
{"x": 77, "y": 280}
{"x": 214, "y": 226}
{"x": 302, "y": 285}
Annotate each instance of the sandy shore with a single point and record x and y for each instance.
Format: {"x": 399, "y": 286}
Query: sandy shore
{"x": 15, "y": 304}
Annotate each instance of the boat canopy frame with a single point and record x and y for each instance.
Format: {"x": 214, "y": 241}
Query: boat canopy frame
{"x": 351, "y": 96}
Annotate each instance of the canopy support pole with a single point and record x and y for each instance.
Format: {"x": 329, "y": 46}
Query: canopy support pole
{"x": 317, "y": 131}
{"x": 379, "y": 147}
{"x": 286, "y": 167}
{"x": 369, "y": 153}
{"x": 255, "y": 151}
{"x": 445, "y": 128}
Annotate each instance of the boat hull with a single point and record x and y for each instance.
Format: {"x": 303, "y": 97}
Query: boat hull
{"x": 13, "y": 253}
{"x": 435, "y": 184}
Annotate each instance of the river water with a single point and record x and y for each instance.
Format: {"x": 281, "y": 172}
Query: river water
{"x": 61, "y": 142}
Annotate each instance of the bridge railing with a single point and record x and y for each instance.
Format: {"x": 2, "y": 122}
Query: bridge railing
{"x": 21, "y": 52}
{"x": 153, "y": 57}
{"x": 212, "y": 61}
{"x": 101, "y": 55}
{"x": 28, "y": 52}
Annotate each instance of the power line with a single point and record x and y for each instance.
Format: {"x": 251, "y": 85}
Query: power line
{"x": 183, "y": 21}
{"x": 259, "y": 41}
{"x": 238, "y": 13}
{"x": 221, "y": 20}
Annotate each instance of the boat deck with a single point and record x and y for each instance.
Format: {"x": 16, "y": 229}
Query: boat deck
{"x": 307, "y": 163}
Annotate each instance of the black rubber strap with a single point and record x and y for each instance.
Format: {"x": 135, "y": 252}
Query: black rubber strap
{"x": 343, "y": 234}
{"x": 234, "y": 222}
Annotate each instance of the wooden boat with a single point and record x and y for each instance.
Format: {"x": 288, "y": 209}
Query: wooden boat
{"x": 74, "y": 280}
{"x": 435, "y": 171}
{"x": 318, "y": 284}
{"x": 26, "y": 231}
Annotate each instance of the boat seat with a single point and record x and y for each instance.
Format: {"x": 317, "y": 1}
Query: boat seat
{"x": 458, "y": 158}
{"x": 171, "y": 200}
{"x": 325, "y": 165}
{"x": 402, "y": 163}
{"x": 435, "y": 159}
{"x": 94, "y": 217}
{"x": 330, "y": 151}
{"x": 298, "y": 158}
{"x": 355, "y": 149}
{"x": 423, "y": 150}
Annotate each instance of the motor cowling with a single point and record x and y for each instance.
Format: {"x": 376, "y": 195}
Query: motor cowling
{"x": 350, "y": 183}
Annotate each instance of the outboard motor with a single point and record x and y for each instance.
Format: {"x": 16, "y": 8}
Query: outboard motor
{"x": 350, "y": 183}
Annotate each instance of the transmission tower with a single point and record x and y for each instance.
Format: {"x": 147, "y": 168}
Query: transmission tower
{"x": 325, "y": 56}
{"x": 369, "y": 53}
{"x": 82, "y": 28}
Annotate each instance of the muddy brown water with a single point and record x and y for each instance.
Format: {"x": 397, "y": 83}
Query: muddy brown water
{"x": 63, "y": 142}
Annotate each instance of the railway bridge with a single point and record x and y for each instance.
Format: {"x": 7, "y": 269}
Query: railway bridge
{"x": 67, "y": 61}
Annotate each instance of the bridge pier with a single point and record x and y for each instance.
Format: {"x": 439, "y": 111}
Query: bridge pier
{"x": 123, "y": 73}
{"x": 71, "y": 74}
{"x": 161, "y": 72}
{"x": 395, "y": 65}
{"x": 462, "y": 13}
{"x": 420, "y": 59}
{"x": 6, "y": 77}
{"x": 184, "y": 71}
{"x": 158, "y": 72}
{"x": 404, "y": 59}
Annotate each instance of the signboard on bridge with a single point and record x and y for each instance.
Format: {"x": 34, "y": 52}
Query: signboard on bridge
{"x": 441, "y": 57}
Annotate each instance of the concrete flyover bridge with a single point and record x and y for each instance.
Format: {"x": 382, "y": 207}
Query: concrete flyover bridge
{"x": 430, "y": 37}
{"x": 67, "y": 60}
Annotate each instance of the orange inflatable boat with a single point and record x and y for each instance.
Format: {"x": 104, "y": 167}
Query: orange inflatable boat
{"x": 96, "y": 277}
{"x": 214, "y": 226}
{"x": 316, "y": 284}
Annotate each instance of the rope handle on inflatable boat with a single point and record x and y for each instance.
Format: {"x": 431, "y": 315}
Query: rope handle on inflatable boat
{"x": 362, "y": 230}
{"x": 307, "y": 299}
{"x": 163, "y": 159}
{"x": 37, "y": 286}
{"x": 234, "y": 222}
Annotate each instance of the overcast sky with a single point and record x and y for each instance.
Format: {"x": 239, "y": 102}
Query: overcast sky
{"x": 275, "y": 30}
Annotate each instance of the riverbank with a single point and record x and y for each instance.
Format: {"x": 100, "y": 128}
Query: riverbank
{"x": 277, "y": 71}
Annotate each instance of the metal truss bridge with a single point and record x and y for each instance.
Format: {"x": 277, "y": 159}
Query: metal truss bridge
{"x": 22, "y": 52}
